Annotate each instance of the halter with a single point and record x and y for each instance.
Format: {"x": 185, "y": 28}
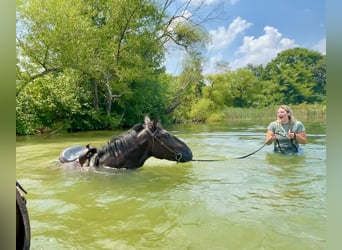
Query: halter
{"x": 178, "y": 156}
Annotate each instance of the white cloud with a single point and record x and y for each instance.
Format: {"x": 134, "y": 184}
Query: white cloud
{"x": 173, "y": 60}
{"x": 321, "y": 46}
{"x": 222, "y": 37}
{"x": 261, "y": 50}
{"x": 232, "y": 2}
{"x": 210, "y": 67}
{"x": 175, "y": 54}
{"x": 183, "y": 17}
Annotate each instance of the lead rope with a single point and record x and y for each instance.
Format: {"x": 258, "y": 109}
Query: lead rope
{"x": 279, "y": 146}
{"x": 283, "y": 134}
{"x": 245, "y": 156}
{"x": 277, "y": 140}
{"x": 292, "y": 143}
{"x": 291, "y": 140}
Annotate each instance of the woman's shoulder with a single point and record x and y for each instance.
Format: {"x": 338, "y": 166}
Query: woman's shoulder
{"x": 300, "y": 125}
{"x": 272, "y": 124}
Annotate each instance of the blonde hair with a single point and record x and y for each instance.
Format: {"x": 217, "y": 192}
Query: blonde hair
{"x": 289, "y": 112}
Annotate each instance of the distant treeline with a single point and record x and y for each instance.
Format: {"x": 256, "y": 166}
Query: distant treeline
{"x": 303, "y": 112}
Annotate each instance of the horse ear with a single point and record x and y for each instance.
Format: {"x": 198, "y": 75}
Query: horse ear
{"x": 156, "y": 122}
{"x": 147, "y": 120}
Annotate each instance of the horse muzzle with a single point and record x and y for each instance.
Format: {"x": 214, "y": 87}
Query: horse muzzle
{"x": 184, "y": 156}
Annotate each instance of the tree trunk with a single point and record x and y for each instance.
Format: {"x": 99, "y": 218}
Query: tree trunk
{"x": 96, "y": 95}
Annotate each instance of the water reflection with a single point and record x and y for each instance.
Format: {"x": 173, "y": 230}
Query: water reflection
{"x": 287, "y": 161}
{"x": 295, "y": 186}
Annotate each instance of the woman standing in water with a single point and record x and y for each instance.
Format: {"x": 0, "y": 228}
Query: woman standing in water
{"x": 286, "y": 132}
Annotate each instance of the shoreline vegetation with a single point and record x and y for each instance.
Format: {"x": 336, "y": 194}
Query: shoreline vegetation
{"x": 303, "y": 112}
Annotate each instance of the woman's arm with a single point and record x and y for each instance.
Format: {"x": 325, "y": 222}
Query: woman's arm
{"x": 270, "y": 137}
{"x": 299, "y": 137}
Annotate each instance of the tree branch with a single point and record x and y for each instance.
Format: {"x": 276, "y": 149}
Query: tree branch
{"x": 32, "y": 78}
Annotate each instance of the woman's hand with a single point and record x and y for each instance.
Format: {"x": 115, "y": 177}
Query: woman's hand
{"x": 292, "y": 135}
{"x": 270, "y": 137}
{"x": 300, "y": 137}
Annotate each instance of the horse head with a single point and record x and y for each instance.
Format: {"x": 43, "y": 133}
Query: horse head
{"x": 162, "y": 144}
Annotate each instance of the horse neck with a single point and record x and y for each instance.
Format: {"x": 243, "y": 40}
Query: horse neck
{"x": 134, "y": 158}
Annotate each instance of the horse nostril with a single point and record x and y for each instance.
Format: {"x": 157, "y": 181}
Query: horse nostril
{"x": 178, "y": 156}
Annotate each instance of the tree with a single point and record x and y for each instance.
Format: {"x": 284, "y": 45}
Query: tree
{"x": 300, "y": 75}
{"x": 186, "y": 88}
{"x": 110, "y": 45}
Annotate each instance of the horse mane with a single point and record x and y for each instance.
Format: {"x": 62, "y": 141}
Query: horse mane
{"x": 122, "y": 143}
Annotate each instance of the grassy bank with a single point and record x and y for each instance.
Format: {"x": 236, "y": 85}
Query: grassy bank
{"x": 303, "y": 112}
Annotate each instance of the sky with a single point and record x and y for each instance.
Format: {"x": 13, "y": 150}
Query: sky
{"x": 255, "y": 31}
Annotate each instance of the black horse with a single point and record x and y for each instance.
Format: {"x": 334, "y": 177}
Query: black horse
{"x": 131, "y": 149}
{"x": 23, "y": 230}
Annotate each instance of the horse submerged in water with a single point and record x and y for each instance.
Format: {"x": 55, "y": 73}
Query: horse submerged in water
{"x": 131, "y": 149}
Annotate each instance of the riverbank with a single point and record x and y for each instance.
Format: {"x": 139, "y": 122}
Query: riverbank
{"x": 303, "y": 112}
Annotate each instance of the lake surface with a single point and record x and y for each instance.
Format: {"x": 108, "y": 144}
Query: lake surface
{"x": 265, "y": 201}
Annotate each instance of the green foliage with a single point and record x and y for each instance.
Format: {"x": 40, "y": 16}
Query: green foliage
{"x": 216, "y": 117}
{"x": 190, "y": 36}
{"x": 303, "y": 112}
{"x": 310, "y": 112}
{"x": 187, "y": 87}
{"x": 148, "y": 97}
{"x": 239, "y": 88}
{"x": 202, "y": 109}
{"x": 115, "y": 50}
{"x": 300, "y": 75}
{"x": 54, "y": 102}
{"x": 295, "y": 76}
{"x": 58, "y": 103}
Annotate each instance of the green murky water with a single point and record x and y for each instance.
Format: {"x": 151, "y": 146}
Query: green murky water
{"x": 265, "y": 201}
